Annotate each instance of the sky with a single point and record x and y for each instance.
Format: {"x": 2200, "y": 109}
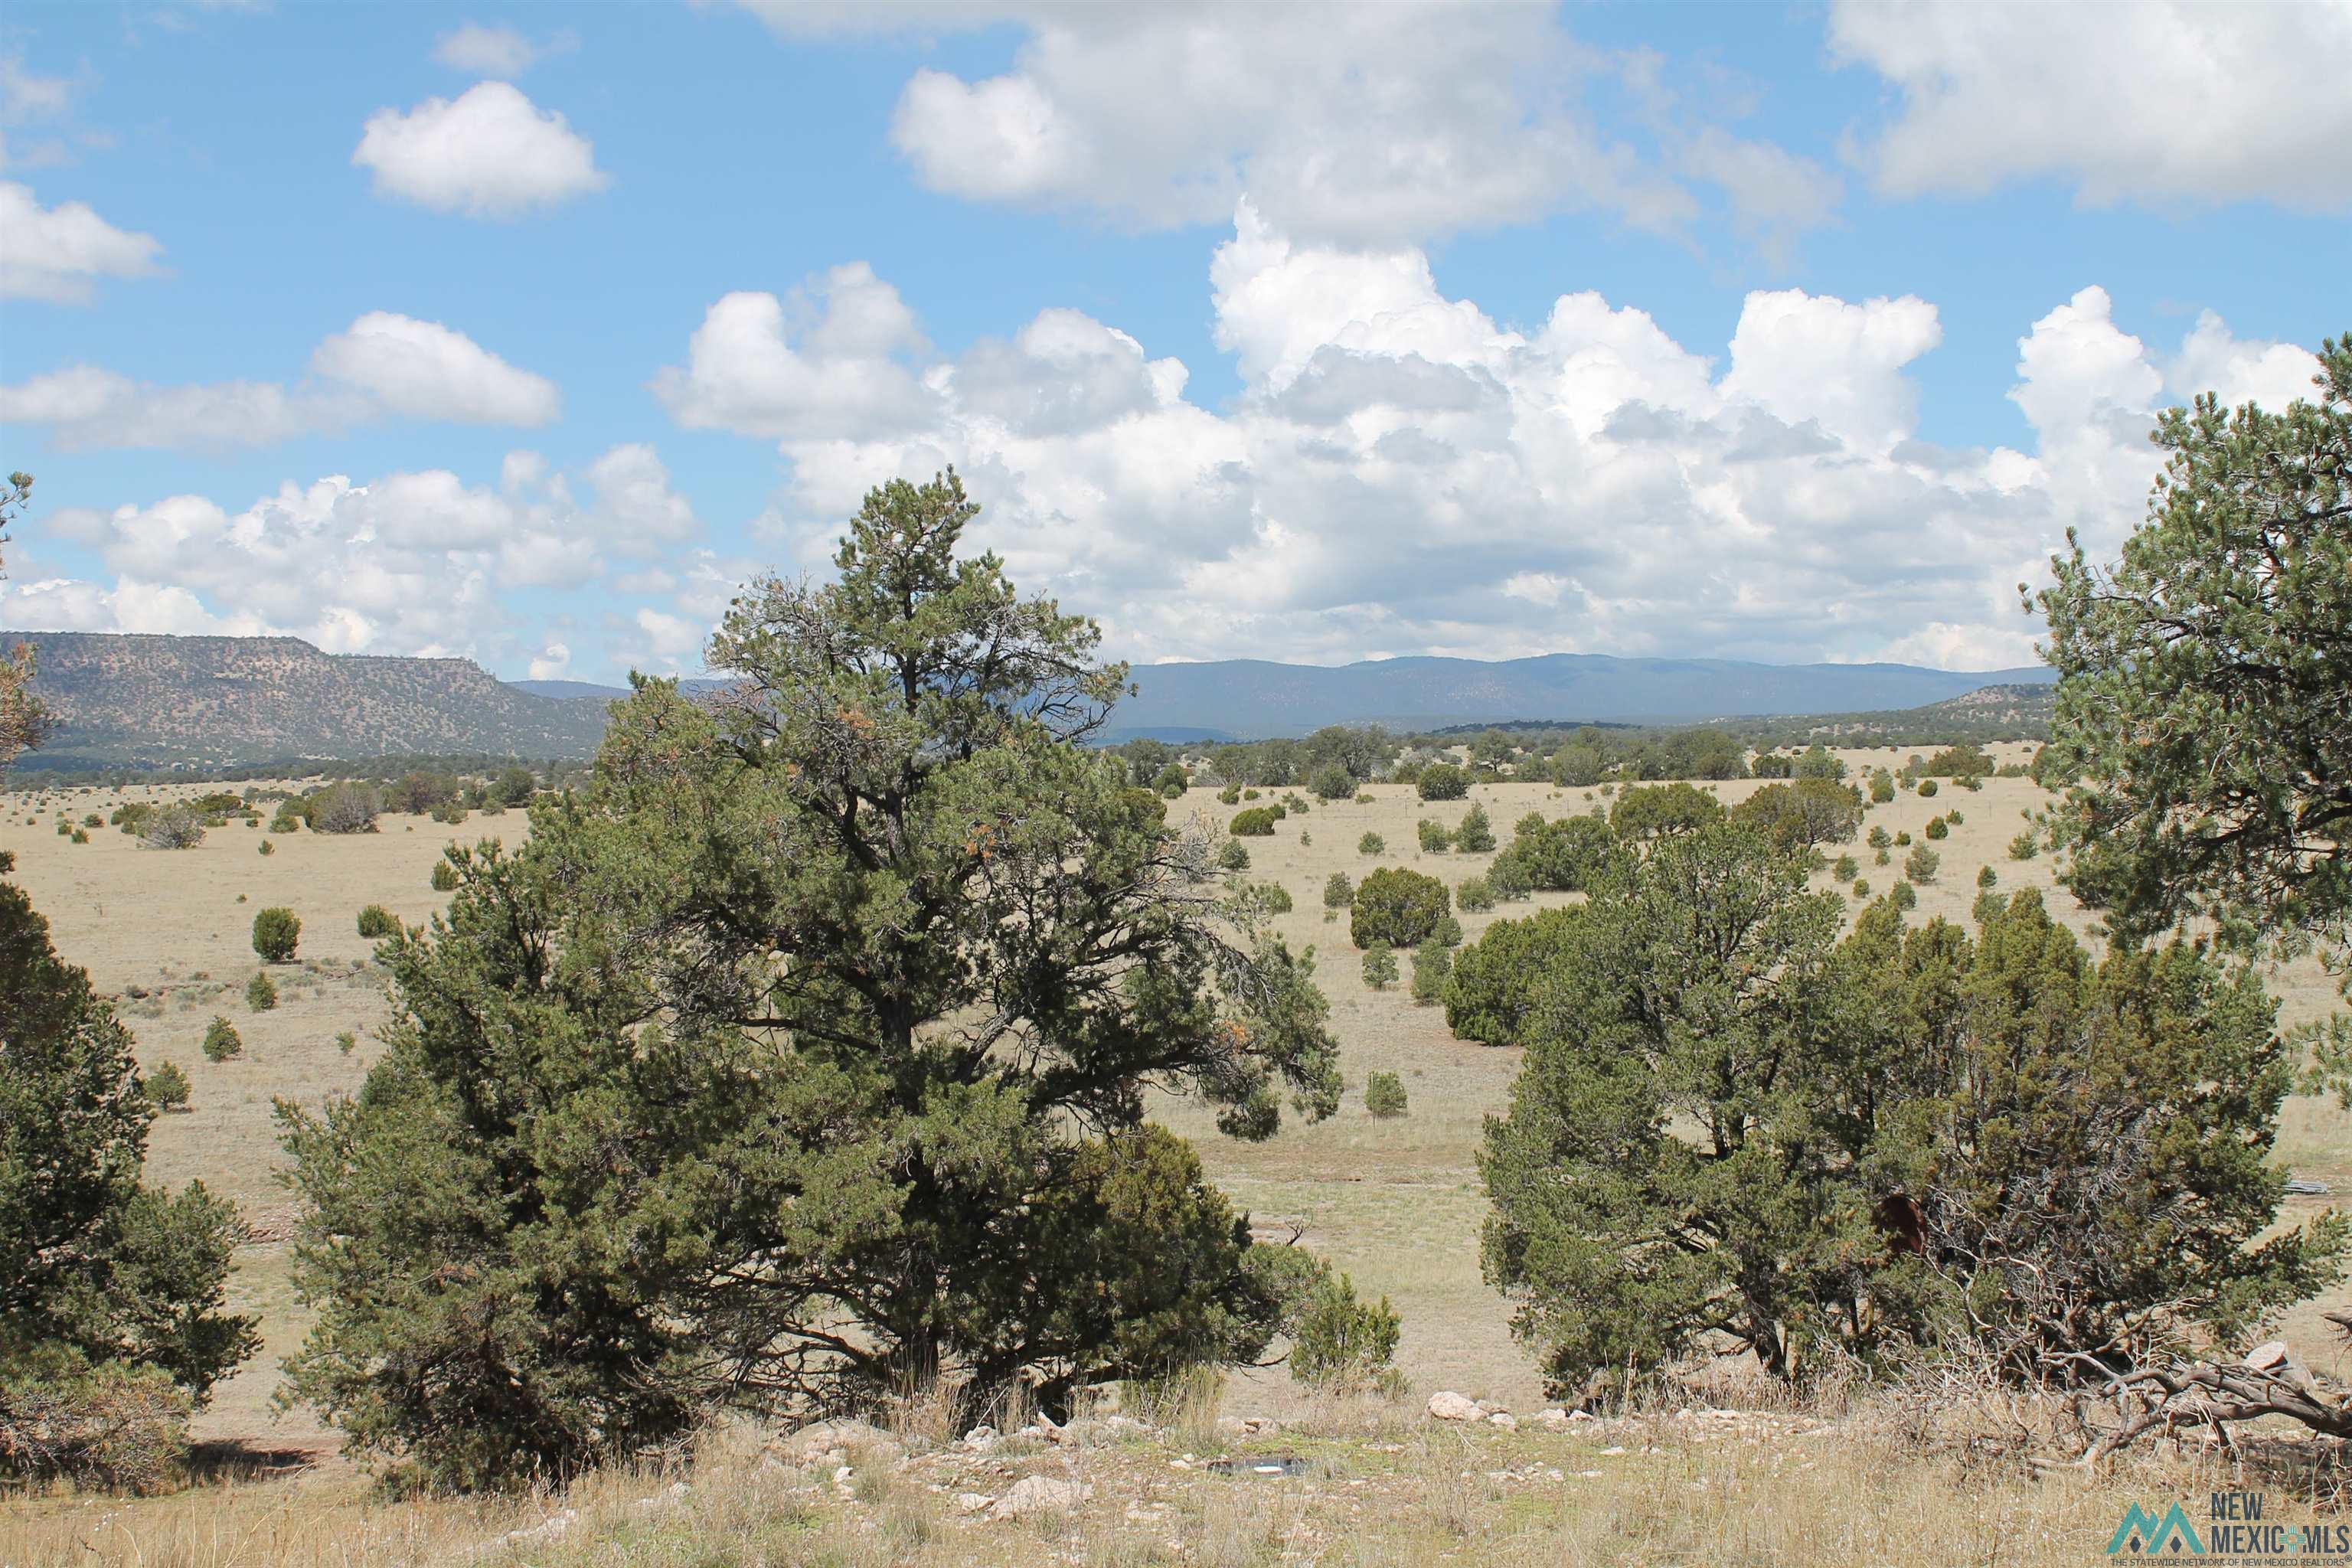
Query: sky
{"x": 529, "y": 334}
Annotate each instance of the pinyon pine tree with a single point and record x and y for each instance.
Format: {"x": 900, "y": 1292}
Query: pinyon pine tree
{"x": 802, "y": 1058}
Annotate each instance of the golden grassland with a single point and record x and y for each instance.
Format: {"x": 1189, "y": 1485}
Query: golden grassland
{"x": 1395, "y": 1202}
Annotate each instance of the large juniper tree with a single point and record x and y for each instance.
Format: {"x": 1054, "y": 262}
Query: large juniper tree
{"x": 802, "y": 1059}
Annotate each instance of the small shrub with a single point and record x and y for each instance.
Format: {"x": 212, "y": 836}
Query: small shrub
{"x": 1921, "y": 864}
{"x": 1339, "y": 892}
{"x": 343, "y": 808}
{"x": 1384, "y": 1094}
{"x": 1258, "y": 822}
{"x": 1882, "y": 787}
{"x": 1398, "y": 908}
{"x": 173, "y": 827}
{"x": 1446, "y": 932}
{"x": 276, "y": 933}
{"x": 1371, "y": 844}
{"x": 1233, "y": 856}
{"x": 1927, "y": 789}
{"x": 376, "y": 922}
{"x": 285, "y": 820}
{"x": 1474, "y": 895}
{"x": 1954, "y": 818}
{"x": 1441, "y": 781}
{"x": 1476, "y": 834}
{"x": 1860, "y": 888}
{"x": 1344, "y": 1344}
{"x": 2024, "y": 846}
{"x": 221, "y": 1042}
{"x": 346, "y": 1042}
{"x": 1433, "y": 966}
{"x": 1332, "y": 782}
{"x": 444, "y": 876}
{"x": 1380, "y": 966}
{"x": 267, "y": 848}
{"x": 81, "y": 836}
{"x": 167, "y": 1085}
{"x": 1987, "y": 877}
{"x": 1433, "y": 836}
{"x": 260, "y": 992}
{"x": 1937, "y": 828}
{"x": 1905, "y": 896}
{"x": 1278, "y": 899}
{"x": 1509, "y": 878}
{"x": 1231, "y": 795}
{"x": 1903, "y": 840}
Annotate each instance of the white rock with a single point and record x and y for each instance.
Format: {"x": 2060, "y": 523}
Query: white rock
{"x": 1040, "y": 1494}
{"x": 1503, "y": 1419}
{"x": 1552, "y": 1419}
{"x": 973, "y": 1503}
{"x": 981, "y": 1439}
{"x": 1447, "y": 1405}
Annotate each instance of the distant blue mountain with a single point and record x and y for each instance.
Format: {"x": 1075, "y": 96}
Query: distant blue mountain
{"x": 1254, "y": 700}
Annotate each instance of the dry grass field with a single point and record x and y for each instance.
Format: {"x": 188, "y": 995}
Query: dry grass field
{"x": 1396, "y": 1202}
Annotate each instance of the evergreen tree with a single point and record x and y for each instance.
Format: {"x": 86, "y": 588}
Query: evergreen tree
{"x": 800, "y": 1059}
{"x": 103, "y": 1279}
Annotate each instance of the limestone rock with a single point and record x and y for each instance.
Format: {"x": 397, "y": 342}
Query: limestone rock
{"x": 1447, "y": 1405}
{"x": 1040, "y": 1494}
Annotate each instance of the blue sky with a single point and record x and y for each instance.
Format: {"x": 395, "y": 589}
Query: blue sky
{"x": 527, "y": 333}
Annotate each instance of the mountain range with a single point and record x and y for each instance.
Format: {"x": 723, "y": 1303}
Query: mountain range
{"x": 190, "y": 701}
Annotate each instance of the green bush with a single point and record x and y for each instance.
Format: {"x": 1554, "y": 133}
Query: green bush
{"x": 285, "y": 820}
{"x": 1371, "y": 844}
{"x": 276, "y": 933}
{"x": 342, "y": 808}
{"x": 1346, "y": 1345}
{"x": 1927, "y": 789}
{"x": 1332, "y": 782}
{"x": 1922, "y": 864}
{"x": 1904, "y": 894}
{"x": 1233, "y": 856}
{"x": 1441, "y": 781}
{"x": 376, "y": 922}
{"x": 267, "y": 848}
{"x": 1953, "y": 818}
{"x": 1937, "y": 828}
{"x": 1380, "y": 966}
{"x": 115, "y": 1425}
{"x": 1475, "y": 836}
{"x": 1384, "y": 1094}
{"x": 1496, "y": 980}
{"x": 1277, "y": 898}
{"x": 260, "y": 992}
{"x": 444, "y": 876}
{"x": 1882, "y": 787}
{"x": 2025, "y": 845}
{"x": 1433, "y": 967}
{"x": 1434, "y": 839}
{"x": 221, "y": 1040}
{"x": 1258, "y": 822}
{"x": 1474, "y": 895}
{"x": 173, "y": 827}
{"x": 1861, "y": 889}
{"x": 167, "y": 1085}
{"x": 1846, "y": 869}
{"x": 1508, "y": 878}
{"x": 1338, "y": 891}
{"x": 1397, "y": 907}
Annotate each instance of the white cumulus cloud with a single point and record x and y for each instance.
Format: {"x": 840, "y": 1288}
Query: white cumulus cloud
{"x": 422, "y": 370}
{"x": 1401, "y": 472}
{"x": 2161, "y": 101}
{"x": 58, "y": 253}
{"x": 412, "y": 562}
{"x": 490, "y": 152}
{"x": 382, "y": 365}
